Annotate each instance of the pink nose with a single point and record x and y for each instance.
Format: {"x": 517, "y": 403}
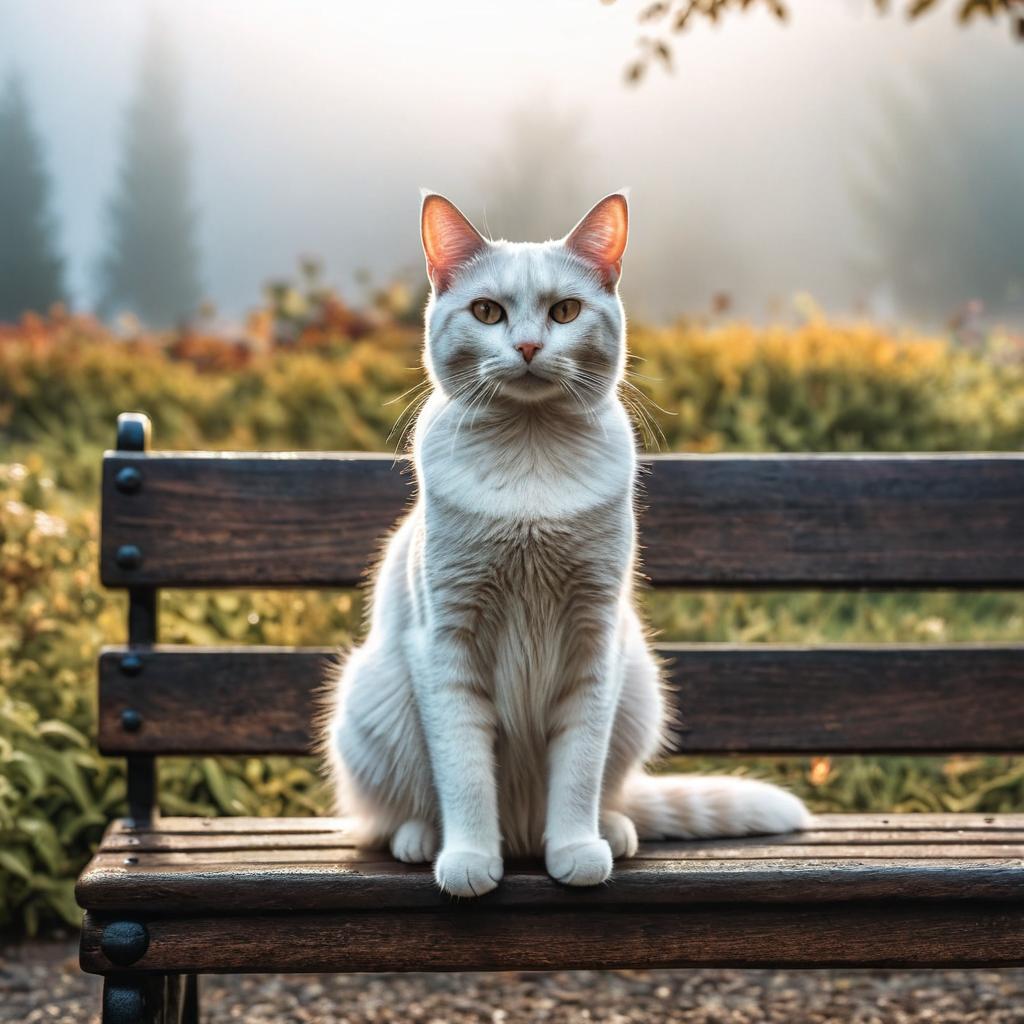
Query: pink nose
{"x": 529, "y": 349}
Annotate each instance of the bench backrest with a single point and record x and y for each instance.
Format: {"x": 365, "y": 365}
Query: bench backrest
{"x": 710, "y": 521}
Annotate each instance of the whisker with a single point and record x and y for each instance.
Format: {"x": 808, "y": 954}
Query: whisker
{"x": 407, "y": 417}
{"x": 475, "y": 396}
{"x": 404, "y": 437}
{"x": 643, "y": 376}
{"x": 463, "y": 381}
{"x": 416, "y": 387}
{"x": 453, "y": 399}
{"x": 635, "y": 401}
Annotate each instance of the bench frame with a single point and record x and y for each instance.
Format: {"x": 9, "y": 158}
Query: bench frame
{"x": 984, "y": 927}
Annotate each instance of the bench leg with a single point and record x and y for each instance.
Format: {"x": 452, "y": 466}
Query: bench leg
{"x": 151, "y": 999}
{"x": 190, "y": 1006}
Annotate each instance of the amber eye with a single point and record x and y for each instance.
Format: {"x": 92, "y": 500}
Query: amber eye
{"x": 487, "y": 312}
{"x": 565, "y": 311}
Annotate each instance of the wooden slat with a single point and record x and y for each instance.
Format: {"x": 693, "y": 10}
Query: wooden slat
{"x": 345, "y": 857}
{"x": 227, "y": 887}
{"x": 258, "y": 834}
{"x": 246, "y": 826}
{"x": 762, "y": 520}
{"x": 178, "y": 866}
{"x": 483, "y": 937}
{"x": 206, "y": 519}
{"x": 110, "y": 883}
{"x": 335, "y": 844}
{"x": 257, "y": 838}
{"x": 757, "y": 698}
{"x": 854, "y": 698}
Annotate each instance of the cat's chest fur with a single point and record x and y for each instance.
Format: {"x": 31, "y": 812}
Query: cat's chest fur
{"x": 526, "y": 546}
{"x": 530, "y": 595}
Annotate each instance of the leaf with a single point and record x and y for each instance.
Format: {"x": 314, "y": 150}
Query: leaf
{"x": 17, "y": 862}
{"x": 220, "y": 787}
{"x": 654, "y": 11}
{"x": 44, "y": 841}
{"x": 65, "y": 731}
{"x": 663, "y": 53}
{"x": 34, "y": 772}
{"x": 635, "y": 72}
{"x": 61, "y": 897}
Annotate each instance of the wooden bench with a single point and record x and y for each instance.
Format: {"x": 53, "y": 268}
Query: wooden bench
{"x": 169, "y": 898}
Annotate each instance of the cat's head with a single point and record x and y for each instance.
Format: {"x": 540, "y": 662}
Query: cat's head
{"x": 525, "y": 322}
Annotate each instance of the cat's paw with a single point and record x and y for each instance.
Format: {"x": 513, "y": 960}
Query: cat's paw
{"x": 620, "y": 832}
{"x": 467, "y": 873}
{"x": 414, "y": 842}
{"x": 585, "y": 863}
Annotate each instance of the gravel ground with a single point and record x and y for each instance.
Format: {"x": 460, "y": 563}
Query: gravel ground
{"x": 40, "y": 982}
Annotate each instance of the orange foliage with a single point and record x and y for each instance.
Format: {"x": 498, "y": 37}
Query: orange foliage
{"x": 209, "y": 353}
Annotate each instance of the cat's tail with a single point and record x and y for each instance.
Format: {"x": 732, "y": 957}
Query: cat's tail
{"x": 708, "y": 807}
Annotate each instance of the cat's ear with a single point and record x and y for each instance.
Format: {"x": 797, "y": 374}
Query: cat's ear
{"x": 449, "y": 240}
{"x": 600, "y": 238}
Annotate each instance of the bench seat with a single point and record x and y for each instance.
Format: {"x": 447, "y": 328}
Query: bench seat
{"x": 294, "y": 894}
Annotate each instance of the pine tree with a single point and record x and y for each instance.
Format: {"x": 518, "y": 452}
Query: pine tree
{"x": 31, "y": 270}
{"x": 151, "y": 266}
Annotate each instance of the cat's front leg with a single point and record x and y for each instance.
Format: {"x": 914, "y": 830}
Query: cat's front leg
{"x": 574, "y": 851}
{"x": 459, "y": 723}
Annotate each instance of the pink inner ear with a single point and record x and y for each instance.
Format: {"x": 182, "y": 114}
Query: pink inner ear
{"x": 600, "y": 238}
{"x": 449, "y": 240}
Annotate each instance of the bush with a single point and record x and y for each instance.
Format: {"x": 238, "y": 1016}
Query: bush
{"x": 62, "y": 383}
{"x": 823, "y": 387}
{"x": 56, "y": 792}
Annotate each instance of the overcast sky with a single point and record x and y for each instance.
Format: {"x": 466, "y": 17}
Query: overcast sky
{"x": 314, "y": 124}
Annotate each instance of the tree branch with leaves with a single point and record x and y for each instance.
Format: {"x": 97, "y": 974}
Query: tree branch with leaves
{"x": 669, "y": 17}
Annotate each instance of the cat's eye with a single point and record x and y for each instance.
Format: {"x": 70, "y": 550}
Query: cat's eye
{"x": 487, "y": 312}
{"x": 565, "y": 311}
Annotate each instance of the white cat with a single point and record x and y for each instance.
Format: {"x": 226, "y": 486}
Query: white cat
{"x": 506, "y": 698}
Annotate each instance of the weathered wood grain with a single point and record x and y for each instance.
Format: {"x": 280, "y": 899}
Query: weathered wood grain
{"x": 731, "y": 698}
{"x": 178, "y": 866}
{"x": 482, "y": 937}
{"x": 246, "y": 827}
{"x": 712, "y": 520}
{"x": 250, "y": 520}
{"x": 333, "y": 844}
{"x": 208, "y": 888}
{"x": 319, "y": 857}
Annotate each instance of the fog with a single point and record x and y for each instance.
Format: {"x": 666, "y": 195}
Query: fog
{"x": 820, "y": 157}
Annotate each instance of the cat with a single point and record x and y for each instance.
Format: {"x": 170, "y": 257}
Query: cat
{"x": 506, "y": 697}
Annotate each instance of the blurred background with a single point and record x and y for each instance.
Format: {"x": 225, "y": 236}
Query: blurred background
{"x": 870, "y": 161}
{"x": 208, "y": 212}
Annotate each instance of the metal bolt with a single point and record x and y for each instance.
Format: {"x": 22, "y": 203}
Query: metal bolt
{"x": 129, "y": 556}
{"x": 131, "y": 720}
{"x": 124, "y": 942}
{"x": 131, "y": 665}
{"x": 128, "y": 480}
{"x": 124, "y": 1002}
{"x": 131, "y": 860}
